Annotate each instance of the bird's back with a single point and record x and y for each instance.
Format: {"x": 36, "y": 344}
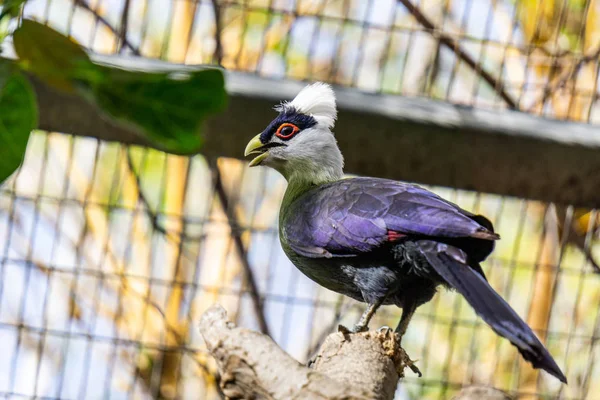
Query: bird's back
{"x": 355, "y": 216}
{"x": 353, "y": 235}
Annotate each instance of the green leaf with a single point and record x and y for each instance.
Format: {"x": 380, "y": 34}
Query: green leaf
{"x": 52, "y": 56}
{"x": 5, "y": 72}
{"x": 168, "y": 108}
{"x": 11, "y": 8}
{"x": 18, "y": 117}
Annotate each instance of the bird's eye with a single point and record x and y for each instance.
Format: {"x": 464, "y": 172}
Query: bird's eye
{"x": 287, "y": 131}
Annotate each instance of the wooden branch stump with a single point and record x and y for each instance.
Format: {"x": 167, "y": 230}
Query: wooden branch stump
{"x": 348, "y": 366}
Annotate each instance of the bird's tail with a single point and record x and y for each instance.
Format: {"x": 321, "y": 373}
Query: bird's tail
{"x": 452, "y": 265}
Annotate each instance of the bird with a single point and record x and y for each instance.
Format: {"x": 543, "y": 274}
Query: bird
{"x": 376, "y": 240}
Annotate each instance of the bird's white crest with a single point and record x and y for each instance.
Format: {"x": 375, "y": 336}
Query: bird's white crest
{"x": 316, "y": 100}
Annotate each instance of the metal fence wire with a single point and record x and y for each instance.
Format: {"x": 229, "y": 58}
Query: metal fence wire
{"x": 110, "y": 253}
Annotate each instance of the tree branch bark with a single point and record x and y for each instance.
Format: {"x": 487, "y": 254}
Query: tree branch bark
{"x": 348, "y": 366}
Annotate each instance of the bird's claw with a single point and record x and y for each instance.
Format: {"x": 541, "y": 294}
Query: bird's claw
{"x": 385, "y": 329}
{"x": 414, "y": 368}
{"x": 355, "y": 329}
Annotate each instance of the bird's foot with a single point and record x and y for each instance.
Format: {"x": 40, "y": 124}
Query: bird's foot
{"x": 400, "y": 357}
{"x": 411, "y": 364}
{"x": 355, "y": 329}
{"x": 385, "y": 329}
{"x": 359, "y": 328}
{"x": 406, "y": 360}
{"x": 403, "y": 360}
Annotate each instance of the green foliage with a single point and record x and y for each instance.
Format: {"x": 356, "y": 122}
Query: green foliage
{"x": 8, "y": 9}
{"x": 168, "y": 109}
{"x": 5, "y": 72}
{"x": 18, "y": 118}
{"x": 11, "y": 8}
{"x": 53, "y": 57}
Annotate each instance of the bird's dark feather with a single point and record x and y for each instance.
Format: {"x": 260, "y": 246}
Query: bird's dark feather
{"x": 382, "y": 241}
{"x": 452, "y": 265}
{"x": 354, "y": 216}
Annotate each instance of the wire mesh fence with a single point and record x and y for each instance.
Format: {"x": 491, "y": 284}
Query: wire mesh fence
{"x": 110, "y": 253}
{"x": 536, "y": 56}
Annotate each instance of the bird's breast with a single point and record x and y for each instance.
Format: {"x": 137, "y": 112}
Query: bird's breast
{"x": 332, "y": 274}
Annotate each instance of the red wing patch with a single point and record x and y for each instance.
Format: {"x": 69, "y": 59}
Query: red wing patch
{"x": 394, "y": 236}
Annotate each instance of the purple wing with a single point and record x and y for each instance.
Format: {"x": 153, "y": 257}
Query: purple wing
{"x": 355, "y": 216}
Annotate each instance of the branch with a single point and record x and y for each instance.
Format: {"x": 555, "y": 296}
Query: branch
{"x": 124, "y": 25}
{"x": 348, "y": 366}
{"x": 355, "y": 366}
{"x": 453, "y": 45}
{"x": 218, "y": 56}
{"x": 241, "y": 249}
{"x": 119, "y": 33}
{"x": 152, "y": 215}
{"x": 565, "y": 77}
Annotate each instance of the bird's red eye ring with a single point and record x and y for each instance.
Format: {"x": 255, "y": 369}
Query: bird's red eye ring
{"x": 286, "y": 131}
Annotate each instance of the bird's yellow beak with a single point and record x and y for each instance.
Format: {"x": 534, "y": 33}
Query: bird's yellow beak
{"x": 255, "y": 146}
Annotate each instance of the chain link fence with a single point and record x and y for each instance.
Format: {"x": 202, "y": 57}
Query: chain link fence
{"x": 111, "y": 252}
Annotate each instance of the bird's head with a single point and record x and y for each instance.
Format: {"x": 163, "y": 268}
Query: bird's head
{"x": 299, "y": 142}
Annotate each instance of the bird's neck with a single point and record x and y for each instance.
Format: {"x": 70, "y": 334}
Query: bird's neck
{"x": 298, "y": 184}
{"x": 294, "y": 190}
{"x": 316, "y": 169}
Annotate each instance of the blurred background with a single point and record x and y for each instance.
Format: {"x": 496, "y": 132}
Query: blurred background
{"x": 110, "y": 253}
